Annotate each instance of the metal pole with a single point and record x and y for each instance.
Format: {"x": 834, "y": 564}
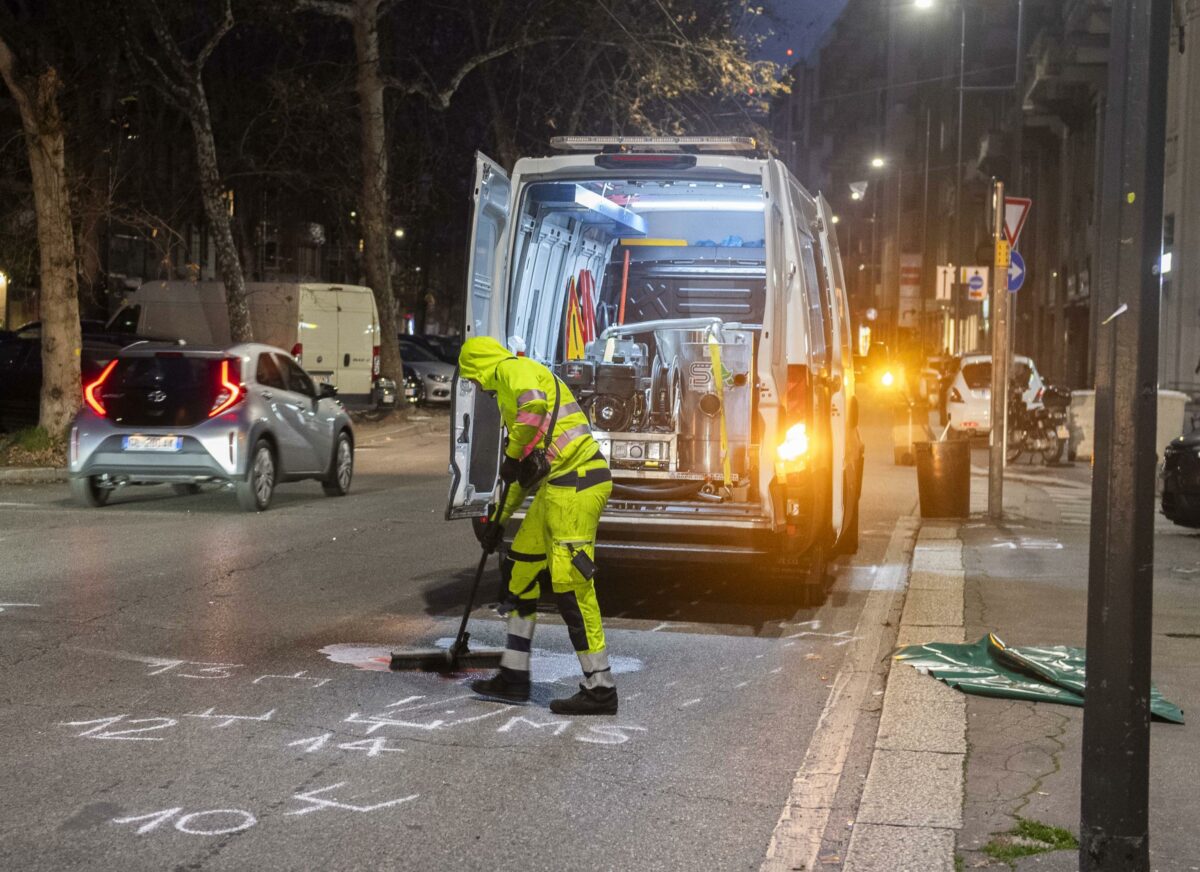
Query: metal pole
{"x": 958, "y": 176}
{"x": 999, "y": 414}
{"x": 1114, "y": 812}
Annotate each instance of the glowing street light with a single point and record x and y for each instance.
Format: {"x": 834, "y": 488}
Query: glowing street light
{"x": 399, "y": 233}
{"x": 923, "y": 4}
{"x": 877, "y": 162}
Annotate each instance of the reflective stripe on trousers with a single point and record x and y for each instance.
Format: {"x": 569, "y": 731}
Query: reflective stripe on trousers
{"x": 560, "y": 522}
{"x": 515, "y": 658}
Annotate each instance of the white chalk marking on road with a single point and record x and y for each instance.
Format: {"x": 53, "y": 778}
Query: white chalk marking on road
{"x": 302, "y": 675}
{"x": 228, "y": 720}
{"x": 314, "y": 744}
{"x": 4, "y": 606}
{"x": 796, "y": 842}
{"x": 691, "y": 702}
{"x": 155, "y": 819}
{"x": 612, "y": 734}
{"x": 741, "y": 684}
{"x": 318, "y": 802}
{"x": 101, "y": 731}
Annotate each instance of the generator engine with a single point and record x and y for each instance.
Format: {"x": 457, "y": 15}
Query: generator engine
{"x": 610, "y": 383}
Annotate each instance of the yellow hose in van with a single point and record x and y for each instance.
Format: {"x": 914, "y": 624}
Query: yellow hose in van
{"x": 714, "y": 351}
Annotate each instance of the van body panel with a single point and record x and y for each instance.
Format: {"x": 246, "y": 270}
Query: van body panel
{"x": 281, "y": 314}
{"x": 730, "y": 248}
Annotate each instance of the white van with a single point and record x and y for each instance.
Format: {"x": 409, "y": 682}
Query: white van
{"x": 687, "y": 256}
{"x": 332, "y": 329}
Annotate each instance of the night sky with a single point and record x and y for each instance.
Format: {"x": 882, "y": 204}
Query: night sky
{"x": 791, "y": 24}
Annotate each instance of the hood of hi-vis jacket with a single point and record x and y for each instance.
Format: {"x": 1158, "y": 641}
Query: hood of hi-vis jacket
{"x": 524, "y": 391}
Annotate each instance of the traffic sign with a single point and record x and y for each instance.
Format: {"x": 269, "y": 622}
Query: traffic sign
{"x": 1016, "y": 272}
{"x": 975, "y": 278}
{"x": 1002, "y": 254}
{"x": 1016, "y": 210}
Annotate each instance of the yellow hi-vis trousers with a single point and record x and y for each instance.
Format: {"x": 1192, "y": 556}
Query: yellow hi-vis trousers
{"x": 561, "y": 521}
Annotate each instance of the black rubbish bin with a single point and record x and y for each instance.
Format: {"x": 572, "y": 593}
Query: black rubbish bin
{"x": 944, "y": 478}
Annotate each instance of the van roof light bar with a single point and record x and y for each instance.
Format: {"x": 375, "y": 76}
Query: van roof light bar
{"x": 685, "y": 144}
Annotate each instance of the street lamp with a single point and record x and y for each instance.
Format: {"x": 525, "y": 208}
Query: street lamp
{"x": 878, "y": 162}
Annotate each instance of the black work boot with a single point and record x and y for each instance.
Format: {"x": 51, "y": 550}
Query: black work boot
{"x": 502, "y": 688}
{"x": 589, "y": 701}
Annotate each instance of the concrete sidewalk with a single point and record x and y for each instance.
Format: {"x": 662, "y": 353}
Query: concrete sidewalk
{"x": 952, "y": 774}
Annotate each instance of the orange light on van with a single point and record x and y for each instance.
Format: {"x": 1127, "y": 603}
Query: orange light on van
{"x": 794, "y": 445}
{"x": 90, "y": 391}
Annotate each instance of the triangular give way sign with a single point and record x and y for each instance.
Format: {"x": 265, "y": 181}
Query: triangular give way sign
{"x": 1016, "y": 210}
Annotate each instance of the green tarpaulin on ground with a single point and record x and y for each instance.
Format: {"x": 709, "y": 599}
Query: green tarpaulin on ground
{"x": 1053, "y": 673}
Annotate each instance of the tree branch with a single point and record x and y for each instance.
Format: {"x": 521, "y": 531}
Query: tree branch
{"x": 327, "y": 7}
{"x": 8, "y": 69}
{"x": 215, "y": 39}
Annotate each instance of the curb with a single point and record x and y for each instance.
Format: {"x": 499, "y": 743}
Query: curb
{"x": 33, "y": 475}
{"x": 912, "y": 803}
{"x": 373, "y": 437}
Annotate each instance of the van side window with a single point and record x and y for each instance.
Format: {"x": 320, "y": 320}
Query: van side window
{"x": 818, "y": 320}
{"x": 267, "y": 374}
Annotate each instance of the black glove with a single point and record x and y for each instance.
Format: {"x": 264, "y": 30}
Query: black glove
{"x": 510, "y": 468}
{"x": 493, "y": 535}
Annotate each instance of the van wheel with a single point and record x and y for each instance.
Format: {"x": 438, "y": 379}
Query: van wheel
{"x": 87, "y": 491}
{"x": 255, "y": 491}
{"x": 185, "y": 489}
{"x": 341, "y": 469}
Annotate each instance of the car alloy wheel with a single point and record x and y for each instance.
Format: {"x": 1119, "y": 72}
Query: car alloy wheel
{"x": 255, "y": 491}
{"x": 337, "y": 482}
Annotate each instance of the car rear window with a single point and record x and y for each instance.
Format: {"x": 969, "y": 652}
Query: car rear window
{"x": 979, "y": 375}
{"x": 172, "y": 390}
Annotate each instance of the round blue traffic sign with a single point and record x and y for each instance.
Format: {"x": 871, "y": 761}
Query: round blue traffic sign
{"x": 975, "y": 283}
{"x": 1016, "y": 272}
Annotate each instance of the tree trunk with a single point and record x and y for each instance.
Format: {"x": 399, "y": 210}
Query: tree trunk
{"x": 41, "y": 119}
{"x": 216, "y": 211}
{"x": 375, "y": 230}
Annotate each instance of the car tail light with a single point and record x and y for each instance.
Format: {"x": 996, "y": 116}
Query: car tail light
{"x": 375, "y": 361}
{"x": 955, "y": 396}
{"x": 298, "y": 352}
{"x": 91, "y": 391}
{"x": 231, "y": 390}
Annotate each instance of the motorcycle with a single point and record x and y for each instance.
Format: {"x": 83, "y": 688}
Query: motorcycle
{"x": 1041, "y": 429}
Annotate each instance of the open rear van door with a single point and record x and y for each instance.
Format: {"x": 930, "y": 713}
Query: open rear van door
{"x": 475, "y": 433}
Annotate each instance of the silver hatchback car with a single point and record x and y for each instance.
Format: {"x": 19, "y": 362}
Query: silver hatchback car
{"x": 246, "y": 415}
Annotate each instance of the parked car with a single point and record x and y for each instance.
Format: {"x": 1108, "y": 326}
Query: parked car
{"x": 435, "y": 374}
{"x": 247, "y": 416}
{"x": 1181, "y": 480}
{"x": 969, "y": 398}
{"x": 445, "y": 348}
{"x": 21, "y": 374}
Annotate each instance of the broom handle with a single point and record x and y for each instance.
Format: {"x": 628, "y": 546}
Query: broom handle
{"x": 460, "y": 639}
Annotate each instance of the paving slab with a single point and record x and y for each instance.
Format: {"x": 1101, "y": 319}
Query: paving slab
{"x": 922, "y": 635}
{"x": 900, "y": 849}
{"x": 933, "y": 608}
{"x": 941, "y": 579}
{"x": 914, "y": 789}
{"x": 937, "y": 559}
{"x": 937, "y": 531}
{"x": 921, "y": 714}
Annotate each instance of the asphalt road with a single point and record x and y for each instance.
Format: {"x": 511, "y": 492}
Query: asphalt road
{"x": 188, "y": 686}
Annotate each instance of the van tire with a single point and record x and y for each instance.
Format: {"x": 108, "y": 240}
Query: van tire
{"x": 255, "y": 491}
{"x": 87, "y": 492}
{"x": 341, "y": 467}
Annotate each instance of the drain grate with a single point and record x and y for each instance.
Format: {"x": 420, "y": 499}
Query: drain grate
{"x": 1182, "y": 635}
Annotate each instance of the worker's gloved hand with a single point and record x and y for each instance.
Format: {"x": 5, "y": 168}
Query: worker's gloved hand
{"x": 493, "y": 535}
{"x": 510, "y": 468}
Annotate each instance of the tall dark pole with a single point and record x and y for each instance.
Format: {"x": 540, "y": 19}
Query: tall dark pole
{"x": 958, "y": 182}
{"x": 1114, "y": 823}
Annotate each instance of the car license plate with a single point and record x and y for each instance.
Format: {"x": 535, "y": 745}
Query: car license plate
{"x": 138, "y": 442}
{"x": 1063, "y": 433}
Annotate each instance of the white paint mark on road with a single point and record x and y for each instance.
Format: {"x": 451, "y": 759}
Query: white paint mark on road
{"x": 691, "y": 702}
{"x": 302, "y": 675}
{"x": 319, "y": 802}
{"x": 796, "y": 842}
{"x": 188, "y": 822}
{"x": 4, "y": 606}
{"x": 102, "y": 731}
{"x": 229, "y": 720}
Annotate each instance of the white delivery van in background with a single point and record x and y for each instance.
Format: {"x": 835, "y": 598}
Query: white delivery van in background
{"x": 332, "y": 329}
{"x": 715, "y": 363}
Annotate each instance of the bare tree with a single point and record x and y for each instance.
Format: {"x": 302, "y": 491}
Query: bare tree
{"x": 180, "y": 80}
{"x": 36, "y": 96}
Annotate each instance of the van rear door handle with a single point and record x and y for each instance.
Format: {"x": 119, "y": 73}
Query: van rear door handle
{"x": 345, "y": 360}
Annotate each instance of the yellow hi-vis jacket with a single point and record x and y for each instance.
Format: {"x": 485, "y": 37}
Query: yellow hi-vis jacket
{"x": 524, "y": 390}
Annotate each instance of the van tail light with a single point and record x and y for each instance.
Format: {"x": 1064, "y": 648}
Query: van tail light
{"x": 797, "y": 411}
{"x": 231, "y": 391}
{"x": 91, "y": 393}
{"x": 298, "y": 352}
{"x": 375, "y": 361}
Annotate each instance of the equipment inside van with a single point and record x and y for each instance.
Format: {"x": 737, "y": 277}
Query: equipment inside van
{"x": 694, "y": 303}
{"x": 332, "y": 329}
